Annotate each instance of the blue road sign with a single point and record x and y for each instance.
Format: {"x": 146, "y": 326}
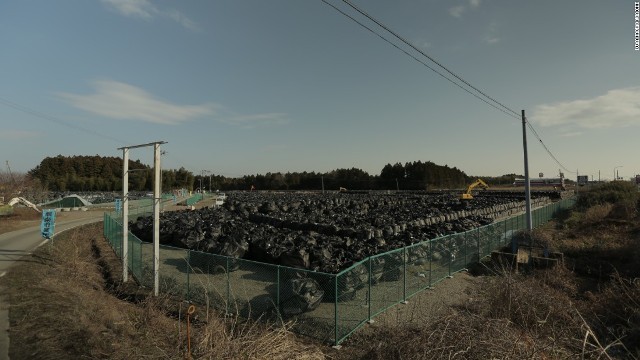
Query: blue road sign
{"x": 118, "y": 205}
{"x": 48, "y": 224}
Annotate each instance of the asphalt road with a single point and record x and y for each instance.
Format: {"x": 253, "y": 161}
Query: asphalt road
{"x": 15, "y": 246}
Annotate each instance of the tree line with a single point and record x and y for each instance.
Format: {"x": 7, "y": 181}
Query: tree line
{"x": 98, "y": 173}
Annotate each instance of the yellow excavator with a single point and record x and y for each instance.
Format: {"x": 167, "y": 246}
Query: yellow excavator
{"x": 467, "y": 194}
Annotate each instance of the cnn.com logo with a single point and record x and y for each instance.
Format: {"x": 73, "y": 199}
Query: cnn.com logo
{"x": 637, "y": 17}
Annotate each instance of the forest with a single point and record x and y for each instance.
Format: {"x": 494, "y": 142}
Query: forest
{"x": 98, "y": 173}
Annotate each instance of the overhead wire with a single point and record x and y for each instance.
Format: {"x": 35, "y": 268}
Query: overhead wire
{"x": 485, "y": 97}
{"x": 59, "y": 121}
{"x": 56, "y": 120}
{"x": 421, "y": 62}
{"x": 396, "y": 35}
{"x": 537, "y": 136}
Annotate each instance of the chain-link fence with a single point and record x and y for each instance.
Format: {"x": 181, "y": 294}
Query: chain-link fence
{"x": 327, "y": 307}
{"x": 194, "y": 199}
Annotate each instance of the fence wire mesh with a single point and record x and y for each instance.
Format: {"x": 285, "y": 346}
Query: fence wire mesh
{"x": 327, "y": 307}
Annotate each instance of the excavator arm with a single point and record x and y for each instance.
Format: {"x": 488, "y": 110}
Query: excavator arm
{"x": 467, "y": 194}
{"x": 24, "y": 202}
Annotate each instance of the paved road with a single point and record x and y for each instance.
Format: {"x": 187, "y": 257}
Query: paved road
{"x": 14, "y": 246}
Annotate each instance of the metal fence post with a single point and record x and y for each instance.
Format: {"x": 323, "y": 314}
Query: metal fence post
{"x": 335, "y": 305}
{"x": 430, "y": 260}
{"x": 369, "y": 292}
{"x": 404, "y": 274}
{"x": 188, "y": 278}
{"x": 478, "y": 243}
{"x": 141, "y": 266}
{"x": 505, "y": 233}
{"x": 228, "y": 286}
{"x": 278, "y": 289}
{"x": 450, "y": 250}
{"x": 466, "y": 261}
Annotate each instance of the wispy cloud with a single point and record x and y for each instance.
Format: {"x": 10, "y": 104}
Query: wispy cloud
{"x": 256, "y": 120}
{"x": 117, "y": 100}
{"x": 571, "y": 134}
{"x": 122, "y": 101}
{"x": 458, "y": 10}
{"x": 616, "y": 109}
{"x": 144, "y": 9}
{"x": 491, "y": 36}
{"x": 9, "y": 134}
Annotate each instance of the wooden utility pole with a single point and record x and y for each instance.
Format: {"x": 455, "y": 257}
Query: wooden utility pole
{"x": 527, "y": 184}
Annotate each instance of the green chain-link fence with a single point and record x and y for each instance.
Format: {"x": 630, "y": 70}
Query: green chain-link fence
{"x": 194, "y": 199}
{"x": 333, "y": 305}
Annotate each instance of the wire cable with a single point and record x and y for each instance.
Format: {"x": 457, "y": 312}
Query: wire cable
{"x": 485, "y": 97}
{"x": 362, "y": 12}
{"x": 56, "y": 120}
{"x": 422, "y": 62}
{"x": 535, "y": 133}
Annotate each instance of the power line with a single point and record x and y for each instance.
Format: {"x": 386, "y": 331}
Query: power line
{"x": 491, "y": 101}
{"x": 535, "y": 133}
{"x": 59, "y": 121}
{"x": 396, "y": 35}
{"x": 56, "y": 120}
{"x": 422, "y": 62}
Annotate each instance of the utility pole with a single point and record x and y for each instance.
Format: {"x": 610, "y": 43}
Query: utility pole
{"x": 125, "y": 214}
{"x": 397, "y": 186}
{"x": 156, "y": 217}
{"x": 322, "y": 179}
{"x": 527, "y": 184}
{"x": 156, "y": 211}
{"x": 13, "y": 180}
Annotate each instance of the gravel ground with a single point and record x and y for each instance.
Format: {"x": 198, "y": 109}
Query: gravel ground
{"x": 430, "y": 304}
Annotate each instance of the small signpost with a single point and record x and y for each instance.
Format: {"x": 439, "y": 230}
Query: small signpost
{"x": 48, "y": 224}
{"x": 118, "y": 206}
{"x": 582, "y": 180}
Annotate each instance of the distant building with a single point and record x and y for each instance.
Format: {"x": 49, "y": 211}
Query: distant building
{"x": 557, "y": 182}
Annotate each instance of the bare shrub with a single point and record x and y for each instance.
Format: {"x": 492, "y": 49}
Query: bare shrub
{"x": 597, "y": 213}
{"x": 615, "y": 313}
{"x": 236, "y": 338}
{"x": 623, "y": 210}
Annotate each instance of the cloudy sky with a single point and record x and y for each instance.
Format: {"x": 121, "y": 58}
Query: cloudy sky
{"x": 251, "y": 86}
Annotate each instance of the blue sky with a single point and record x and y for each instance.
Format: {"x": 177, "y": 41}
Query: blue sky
{"x": 252, "y": 86}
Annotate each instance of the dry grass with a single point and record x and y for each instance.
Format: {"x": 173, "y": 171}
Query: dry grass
{"x": 597, "y": 213}
{"x": 512, "y": 317}
{"x": 587, "y": 310}
{"x": 63, "y": 305}
{"x": 20, "y": 218}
